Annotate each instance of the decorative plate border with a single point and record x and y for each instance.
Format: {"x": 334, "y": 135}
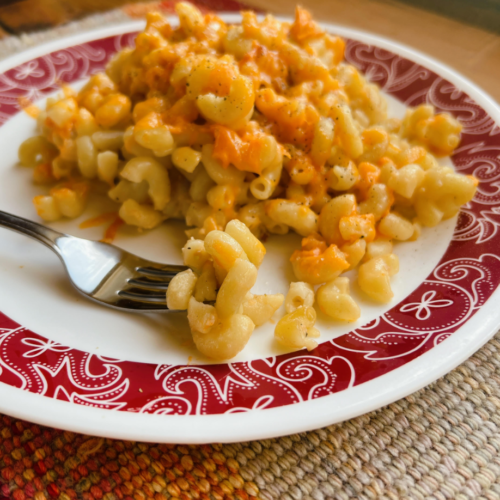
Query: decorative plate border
{"x": 464, "y": 279}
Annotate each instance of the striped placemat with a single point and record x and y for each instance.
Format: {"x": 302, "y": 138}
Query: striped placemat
{"x": 441, "y": 442}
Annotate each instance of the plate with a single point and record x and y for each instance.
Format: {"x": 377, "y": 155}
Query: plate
{"x": 66, "y": 362}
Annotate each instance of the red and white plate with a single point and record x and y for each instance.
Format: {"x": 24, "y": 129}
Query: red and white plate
{"x": 66, "y": 362}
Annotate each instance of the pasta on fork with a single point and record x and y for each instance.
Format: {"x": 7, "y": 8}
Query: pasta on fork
{"x": 243, "y": 131}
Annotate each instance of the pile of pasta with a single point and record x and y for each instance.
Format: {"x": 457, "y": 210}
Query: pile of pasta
{"x": 245, "y": 131}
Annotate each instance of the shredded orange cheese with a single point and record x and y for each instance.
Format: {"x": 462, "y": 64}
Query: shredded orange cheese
{"x": 28, "y": 107}
{"x": 111, "y": 232}
{"x": 99, "y": 220}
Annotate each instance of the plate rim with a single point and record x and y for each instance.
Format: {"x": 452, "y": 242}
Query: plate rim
{"x": 317, "y": 413}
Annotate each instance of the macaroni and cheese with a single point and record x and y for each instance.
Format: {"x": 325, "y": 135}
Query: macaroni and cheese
{"x": 242, "y": 131}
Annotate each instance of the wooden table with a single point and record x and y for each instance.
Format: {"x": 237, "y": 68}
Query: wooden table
{"x": 472, "y": 51}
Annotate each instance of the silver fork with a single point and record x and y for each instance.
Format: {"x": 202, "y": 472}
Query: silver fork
{"x": 102, "y": 272}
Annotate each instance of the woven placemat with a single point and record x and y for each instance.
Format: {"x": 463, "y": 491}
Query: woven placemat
{"x": 441, "y": 442}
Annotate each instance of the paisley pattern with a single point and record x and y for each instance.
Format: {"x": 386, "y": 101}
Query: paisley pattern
{"x": 464, "y": 279}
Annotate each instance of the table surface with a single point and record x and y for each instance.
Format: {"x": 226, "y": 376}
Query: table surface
{"x": 473, "y": 51}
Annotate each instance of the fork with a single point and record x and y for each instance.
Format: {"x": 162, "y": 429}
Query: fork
{"x": 101, "y": 272}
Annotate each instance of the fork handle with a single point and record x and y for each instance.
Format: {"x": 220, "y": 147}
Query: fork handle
{"x": 36, "y": 231}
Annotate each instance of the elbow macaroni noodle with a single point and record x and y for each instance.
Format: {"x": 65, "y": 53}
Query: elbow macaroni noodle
{"x": 245, "y": 131}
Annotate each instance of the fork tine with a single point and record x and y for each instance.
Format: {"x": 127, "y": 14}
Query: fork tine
{"x": 150, "y": 284}
{"x": 160, "y": 271}
{"x": 143, "y": 294}
{"x": 139, "y": 305}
